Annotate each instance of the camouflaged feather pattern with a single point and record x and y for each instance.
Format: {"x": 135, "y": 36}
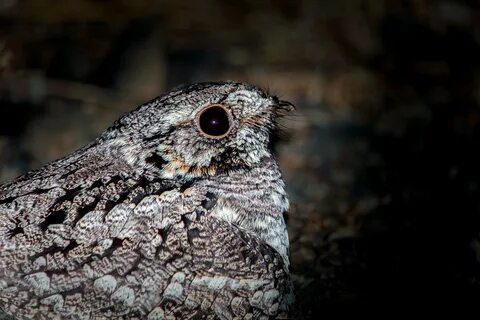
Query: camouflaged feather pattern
{"x": 153, "y": 220}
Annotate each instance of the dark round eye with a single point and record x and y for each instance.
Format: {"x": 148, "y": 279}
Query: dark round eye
{"x": 214, "y": 121}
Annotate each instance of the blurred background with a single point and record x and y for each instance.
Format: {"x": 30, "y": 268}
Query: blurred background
{"x": 381, "y": 158}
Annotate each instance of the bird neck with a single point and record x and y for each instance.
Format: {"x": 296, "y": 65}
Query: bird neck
{"x": 254, "y": 201}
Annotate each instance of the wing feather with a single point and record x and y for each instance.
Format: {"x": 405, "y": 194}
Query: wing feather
{"x": 134, "y": 249}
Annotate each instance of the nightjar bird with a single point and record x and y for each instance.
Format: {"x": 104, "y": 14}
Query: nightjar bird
{"x": 174, "y": 212}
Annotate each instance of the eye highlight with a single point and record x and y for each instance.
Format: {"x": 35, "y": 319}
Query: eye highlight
{"x": 214, "y": 121}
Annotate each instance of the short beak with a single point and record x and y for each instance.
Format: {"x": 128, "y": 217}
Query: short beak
{"x": 282, "y": 107}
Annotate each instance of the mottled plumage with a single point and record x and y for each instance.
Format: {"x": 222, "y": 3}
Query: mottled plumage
{"x": 155, "y": 219}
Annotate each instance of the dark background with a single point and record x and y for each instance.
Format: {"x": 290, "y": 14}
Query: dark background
{"x": 381, "y": 158}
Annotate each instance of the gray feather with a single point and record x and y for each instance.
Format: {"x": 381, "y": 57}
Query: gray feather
{"x": 153, "y": 220}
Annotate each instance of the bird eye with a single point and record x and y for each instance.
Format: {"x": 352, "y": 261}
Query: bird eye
{"x": 214, "y": 121}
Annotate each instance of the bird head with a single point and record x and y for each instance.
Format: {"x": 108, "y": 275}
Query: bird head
{"x": 202, "y": 129}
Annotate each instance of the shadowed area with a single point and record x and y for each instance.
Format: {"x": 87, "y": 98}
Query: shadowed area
{"x": 380, "y": 157}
